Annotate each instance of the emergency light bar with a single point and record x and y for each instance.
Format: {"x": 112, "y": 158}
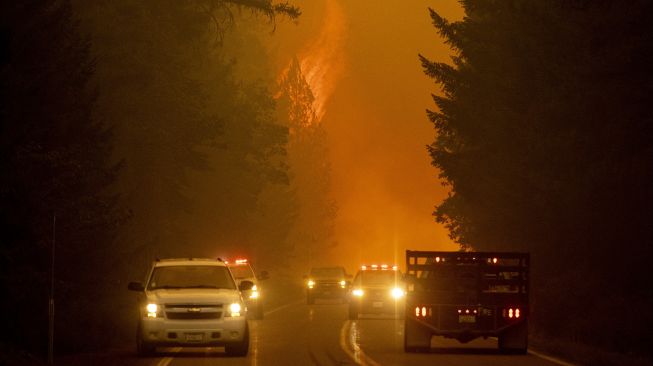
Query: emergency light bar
{"x": 375, "y": 267}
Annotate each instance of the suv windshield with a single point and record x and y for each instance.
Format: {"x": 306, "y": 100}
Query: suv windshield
{"x": 241, "y": 272}
{"x": 378, "y": 278}
{"x": 328, "y": 272}
{"x": 176, "y": 277}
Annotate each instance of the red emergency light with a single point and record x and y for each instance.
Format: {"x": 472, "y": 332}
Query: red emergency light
{"x": 376, "y": 267}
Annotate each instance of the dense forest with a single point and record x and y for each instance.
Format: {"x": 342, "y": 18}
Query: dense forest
{"x": 544, "y": 138}
{"x": 157, "y": 128}
{"x": 130, "y": 130}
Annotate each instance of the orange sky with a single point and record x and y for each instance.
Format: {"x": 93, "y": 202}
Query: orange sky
{"x": 361, "y": 59}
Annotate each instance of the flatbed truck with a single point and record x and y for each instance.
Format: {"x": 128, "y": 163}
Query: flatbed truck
{"x": 467, "y": 295}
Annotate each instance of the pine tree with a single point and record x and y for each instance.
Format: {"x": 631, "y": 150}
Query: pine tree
{"x": 542, "y": 133}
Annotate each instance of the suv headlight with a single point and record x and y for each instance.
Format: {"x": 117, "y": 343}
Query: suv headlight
{"x": 397, "y": 292}
{"x": 255, "y": 293}
{"x": 153, "y": 310}
{"x": 357, "y": 292}
{"x": 343, "y": 283}
{"x": 235, "y": 309}
{"x": 311, "y": 283}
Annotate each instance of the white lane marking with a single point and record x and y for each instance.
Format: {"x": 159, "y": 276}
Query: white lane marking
{"x": 549, "y": 358}
{"x": 557, "y": 361}
{"x": 166, "y": 360}
{"x": 348, "y": 335}
{"x": 279, "y": 308}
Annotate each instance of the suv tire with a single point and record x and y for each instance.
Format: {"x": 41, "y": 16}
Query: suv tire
{"x": 241, "y": 348}
{"x": 143, "y": 348}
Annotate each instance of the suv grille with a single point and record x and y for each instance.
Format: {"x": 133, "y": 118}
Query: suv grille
{"x": 191, "y": 316}
{"x": 327, "y": 284}
{"x": 193, "y": 311}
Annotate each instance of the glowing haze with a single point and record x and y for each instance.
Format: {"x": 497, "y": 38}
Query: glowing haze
{"x": 373, "y": 109}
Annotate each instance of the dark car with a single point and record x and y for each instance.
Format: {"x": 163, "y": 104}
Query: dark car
{"x": 377, "y": 289}
{"x": 327, "y": 283}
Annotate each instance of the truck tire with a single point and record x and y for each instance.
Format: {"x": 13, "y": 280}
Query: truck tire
{"x": 239, "y": 349}
{"x": 514, "y": 339}
{"x": 353, "y": 312}
{"x": 417, "y": 338}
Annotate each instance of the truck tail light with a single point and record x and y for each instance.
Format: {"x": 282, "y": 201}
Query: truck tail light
{"x": 423, "y": 311}
{"x": 512, "y": 313}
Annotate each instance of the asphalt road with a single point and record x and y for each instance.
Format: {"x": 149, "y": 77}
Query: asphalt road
{"x": 298, "y": 334}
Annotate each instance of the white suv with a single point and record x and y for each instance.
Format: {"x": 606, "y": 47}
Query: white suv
{"x": 191, "y": 303}
{"x": 242, "y": 271}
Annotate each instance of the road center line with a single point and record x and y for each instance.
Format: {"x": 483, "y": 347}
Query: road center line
{"x": 279, "y": 308}
{"x": 549, "y": 358}
{"x": 535, "y": 353}
{"x": 166, "y": 360}
{"x": 351, "y": 348}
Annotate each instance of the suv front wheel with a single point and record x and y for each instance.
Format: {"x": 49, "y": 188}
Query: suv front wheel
{"x": 241, "y": 348}
{"x": 143, "y": 348}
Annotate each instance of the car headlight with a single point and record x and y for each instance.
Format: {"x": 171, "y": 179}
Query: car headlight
{"x": 357, "y": 292}
{"x": 152, "y": 310}
{"x": 311, "y": 283}
{"x": 397, "y": 292}
{"x": 343, "y": 283}
{"x": 254, "y": 294}
{"x": 234, "y": 309}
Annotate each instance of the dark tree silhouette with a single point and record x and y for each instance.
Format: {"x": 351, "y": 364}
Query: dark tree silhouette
{"x": 544, "y": 137}
{"x": 55, "y": 159}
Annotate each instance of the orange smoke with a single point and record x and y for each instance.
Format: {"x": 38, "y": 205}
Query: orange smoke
{"x": 322, "y": 60}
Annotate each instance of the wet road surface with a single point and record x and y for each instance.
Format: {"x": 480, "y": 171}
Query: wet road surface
{"x": 298, "y": 334}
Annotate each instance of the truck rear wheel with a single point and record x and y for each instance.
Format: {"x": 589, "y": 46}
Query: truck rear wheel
{"x": 417, "y": 338}
{"x": 353, "y": 312}
{"x": 514, "y": 339}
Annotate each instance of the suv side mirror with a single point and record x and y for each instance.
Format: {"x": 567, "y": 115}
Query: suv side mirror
{"x": 136, "y": 286}
{"x": 245, "y": 285}
{"x": 264, "y": 275}
{"x": 349, "y": 276}
{"x": 305, "y": 277}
